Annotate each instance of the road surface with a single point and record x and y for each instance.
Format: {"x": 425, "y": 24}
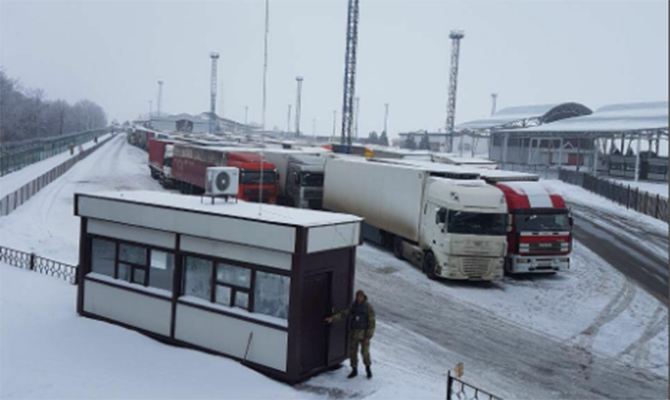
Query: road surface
{"x": 638, "y": 251}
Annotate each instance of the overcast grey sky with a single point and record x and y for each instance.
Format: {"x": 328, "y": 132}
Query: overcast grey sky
{"x": 530, "y": 52}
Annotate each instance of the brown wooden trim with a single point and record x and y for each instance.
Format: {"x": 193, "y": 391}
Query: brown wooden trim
{"x": 165, "y": 297}
{"x": 177, "y": 278}
{"x": 231, "y": 315}
{"x": 84, "y": 262}
{"x": 295, "y": 304}
{"x": 202, "y": 212}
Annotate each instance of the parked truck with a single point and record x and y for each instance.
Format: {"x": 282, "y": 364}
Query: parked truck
{"x": 161, "y": 152}
{"x": 443, "y": 219}
{"x": 541, "y": 237}
{"x": 299, "y": 177}
{"x": 190, "y": 163}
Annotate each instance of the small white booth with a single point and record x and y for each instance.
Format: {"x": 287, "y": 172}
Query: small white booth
{"x": 250, "y": 283}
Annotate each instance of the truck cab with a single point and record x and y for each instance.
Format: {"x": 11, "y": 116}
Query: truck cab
{"x": 251, "y": 179}
{"x": 304, "y": 181}
{"x": 540, "y": 240}
{"x": 464, "y": 228}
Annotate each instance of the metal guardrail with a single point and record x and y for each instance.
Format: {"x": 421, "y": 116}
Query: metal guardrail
{"x": 15, "y": 155}
{"x": 458, "y": 389}
{"x": 641, "y": 201}
{"x": 33, "y": 262}
{"x": 14, "y": 200}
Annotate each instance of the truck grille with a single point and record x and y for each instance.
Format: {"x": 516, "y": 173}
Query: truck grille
{"x": 475, "y": 267}
{"x": 543, "y": 247}
{"x": 312, "y": 194}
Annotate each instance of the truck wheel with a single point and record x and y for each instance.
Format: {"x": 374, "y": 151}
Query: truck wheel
{"x": 429, "y": 265}
{"x": 397, "y": 247}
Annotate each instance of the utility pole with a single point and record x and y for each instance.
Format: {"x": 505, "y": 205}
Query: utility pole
{"x": 386, "y": 117}
{"x": 159, "y": 104}
{"x": 455, "y": 37}
{"x": 212, "y": 100}
{"x": 357, "y": 111}
{"x": 314, "y": 128}
{"x": 494, "y": 103}
{"x": 350, "y": 73}
{"x": 265, "y": 65}
{"x": 298, "y": 100}
{"x": 334, "y": 124}
{"x": 288, "y": 119}
{"x": 151, "y": 105}
{"x": 246, "y": 115}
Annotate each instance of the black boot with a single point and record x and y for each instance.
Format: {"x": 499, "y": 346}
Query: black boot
{"x": 353, "y": 374}
{"x": 368, "y": 371}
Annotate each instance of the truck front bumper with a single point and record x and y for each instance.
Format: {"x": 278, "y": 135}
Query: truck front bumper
{"x": 518, "y": 264}
{"x": 472, "y": 268}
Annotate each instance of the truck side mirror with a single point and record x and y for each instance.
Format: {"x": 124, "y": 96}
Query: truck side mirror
{"x": 296, "y": 179}
{"x": 571, "y": 221}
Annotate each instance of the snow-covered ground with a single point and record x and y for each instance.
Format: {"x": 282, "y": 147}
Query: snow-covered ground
{"x": 14, "y": 180}
{"x": 46, "y": 224}
{"x": 586, "y": 333}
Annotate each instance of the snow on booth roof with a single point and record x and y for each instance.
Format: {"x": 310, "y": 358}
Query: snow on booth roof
{"x": 240, "y": 209}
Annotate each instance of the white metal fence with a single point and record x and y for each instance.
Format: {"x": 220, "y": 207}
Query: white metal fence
{"x": 14, "y": 200}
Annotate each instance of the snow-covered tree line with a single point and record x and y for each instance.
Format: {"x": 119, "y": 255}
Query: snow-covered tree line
{"x": 27, "y": 114}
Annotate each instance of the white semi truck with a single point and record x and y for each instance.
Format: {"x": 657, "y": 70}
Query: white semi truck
{"x": 444, "y": 220}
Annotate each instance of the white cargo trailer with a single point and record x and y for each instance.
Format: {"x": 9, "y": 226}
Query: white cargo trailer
{"x": 444, "y": 219}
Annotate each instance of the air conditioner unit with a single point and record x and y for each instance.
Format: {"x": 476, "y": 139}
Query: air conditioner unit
{"x": 222, "y": 181}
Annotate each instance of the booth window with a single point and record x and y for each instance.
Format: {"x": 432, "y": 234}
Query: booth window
{"x": 198, "y": 278}
{"x": 162, "y": 268}
{"x": 103, "y": 257}
{"x": 271, "y": 294}
{"x": 132, "y": 263}
{"x": 132, "y": 266}
{"x": 232, "y": 285}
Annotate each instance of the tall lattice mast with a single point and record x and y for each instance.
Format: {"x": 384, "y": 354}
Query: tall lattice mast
{"x": 212, "y": 102}
{"x": 160, "y": 98}
{"x": 357, "y": 112}
{"x": 455, "y": 37}
{"x": 298, "y": 105}
{"x": 350, "y": 73}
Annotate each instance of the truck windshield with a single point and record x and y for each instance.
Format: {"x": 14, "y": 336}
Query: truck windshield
{"x": 311, "y": 179}
{"x": 248, "y": 177}
{"x": 476, "y": 223}
{"x": 542, "y": 222}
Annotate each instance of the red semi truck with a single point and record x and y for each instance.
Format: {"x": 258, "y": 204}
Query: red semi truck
{"x": 541, "y": 236}
{"x": 190, "y": 163}
{"x": 160, "y": 160}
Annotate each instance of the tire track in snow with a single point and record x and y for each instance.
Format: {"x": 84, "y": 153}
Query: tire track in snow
{"x": 659, "y": 321}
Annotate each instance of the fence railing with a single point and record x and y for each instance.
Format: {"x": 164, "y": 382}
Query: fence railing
{"x": 15, "y": 155}
{"x": 33, "y": 262}
{"x": 458, "y": 389}
{"x": 13, "y": 200}
{"x": 544, "y": 171}
{"x": 633, "y": 198}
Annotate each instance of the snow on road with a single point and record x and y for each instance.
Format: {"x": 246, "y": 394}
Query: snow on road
{"x": 588, "y": 333}
{"x": 46, "y": 224}
{"x": 13, "y": 181}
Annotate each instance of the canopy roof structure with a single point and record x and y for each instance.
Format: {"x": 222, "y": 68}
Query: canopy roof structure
{"x": 525, "y": 116}
{"x": 613, "y": 119}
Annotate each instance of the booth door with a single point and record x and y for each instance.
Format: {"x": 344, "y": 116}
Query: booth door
{"x": 315, "y": 309}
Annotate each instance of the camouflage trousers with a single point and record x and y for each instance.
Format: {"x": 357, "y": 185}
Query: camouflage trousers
{"x": 356, "y": 338}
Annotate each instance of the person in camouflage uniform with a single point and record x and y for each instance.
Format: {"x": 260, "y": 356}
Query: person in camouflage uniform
{"x": 361, "y": 318}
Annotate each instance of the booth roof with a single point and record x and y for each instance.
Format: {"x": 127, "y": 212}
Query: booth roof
{"x": 240, "y": 209}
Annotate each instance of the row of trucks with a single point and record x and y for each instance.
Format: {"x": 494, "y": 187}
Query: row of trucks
{"x": 454, "y": 222}
{"x": 290, "y": 177}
